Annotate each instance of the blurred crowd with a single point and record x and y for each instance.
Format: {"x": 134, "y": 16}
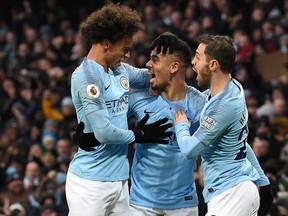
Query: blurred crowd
{"x": 40, "y": 46}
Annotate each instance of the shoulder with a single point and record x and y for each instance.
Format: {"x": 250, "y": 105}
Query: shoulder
{"x": 87, "y": 76}
{"x": 234, "y": 96}
{"x": 125, "y": 67}
{"x": 196, "y": 97}
{"x": 192, "y": 91}
{"x": 140, "y": 97}
{"x": 139, "y": 94}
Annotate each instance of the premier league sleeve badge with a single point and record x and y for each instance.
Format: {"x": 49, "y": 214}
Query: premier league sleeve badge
{"x": 93, "y": 91}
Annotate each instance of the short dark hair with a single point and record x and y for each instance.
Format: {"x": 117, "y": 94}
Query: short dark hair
{"x": 220, "y": 48}
{"x": 183, "y": 52}
{"x": 111, "y": 22}
{"x": 180, "y": 48}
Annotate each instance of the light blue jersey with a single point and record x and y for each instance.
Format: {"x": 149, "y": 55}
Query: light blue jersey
{"x": 161, "y": 177}
{"x": 221, "y": 139}
{"x": 101, "y": 102}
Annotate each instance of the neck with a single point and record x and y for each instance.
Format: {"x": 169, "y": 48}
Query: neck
{"x": 97, "y": 54}
{"x": 219, "y": 82}
{"x": 175, "y": 91}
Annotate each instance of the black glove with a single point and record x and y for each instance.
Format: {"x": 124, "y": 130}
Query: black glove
{"x": 165, "y": 41}
{"x": 266, "y": 199}
{"x": 85, "y": 141}
{"x": 152, "y": 133}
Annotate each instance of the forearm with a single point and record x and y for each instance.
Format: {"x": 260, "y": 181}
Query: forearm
{"x": 106, "y": 132}
{"x": 190, "y": 146}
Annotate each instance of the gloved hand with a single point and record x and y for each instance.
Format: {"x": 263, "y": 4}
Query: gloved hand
{"x": 152, "y": 133}
{"x": 266, "y": 200}
{"x": 85, "y": 141}
{"x": 165, "y": 41}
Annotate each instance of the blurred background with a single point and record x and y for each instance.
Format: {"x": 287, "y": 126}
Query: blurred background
{"x": 40, "y": 46}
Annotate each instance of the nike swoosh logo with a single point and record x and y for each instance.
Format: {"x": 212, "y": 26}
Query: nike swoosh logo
{"x": 147, "y": 112}
{"x": 107, "y": 87}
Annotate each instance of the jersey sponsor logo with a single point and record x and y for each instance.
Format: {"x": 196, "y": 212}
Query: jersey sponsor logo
{"x": 124, "y": 82}
{"x": 118, "y": 105}
{"x": 93, "y": 91}
{"x": 147, "y": 112}
{"x": 171, "y": 139}
{"x": 208, "y": 122}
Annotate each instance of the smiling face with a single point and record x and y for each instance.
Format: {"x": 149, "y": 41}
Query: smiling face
{"x": 160, "y": 67}
{"x": 201, "y": 67}
{"x": 118, "y": 52}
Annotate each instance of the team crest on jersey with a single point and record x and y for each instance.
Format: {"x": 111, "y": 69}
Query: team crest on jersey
{"x": 93, "y": 91}
{"x": 208, "y": 122}
{"x": 124, "y": 82}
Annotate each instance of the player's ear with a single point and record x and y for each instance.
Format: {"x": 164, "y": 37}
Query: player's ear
{"x": 174, "y": 67}
{"x": 213, "y": 64}
{"x": 105, "y": 44}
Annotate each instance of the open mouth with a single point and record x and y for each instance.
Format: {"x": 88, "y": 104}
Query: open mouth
{"x": 152, "y": 78}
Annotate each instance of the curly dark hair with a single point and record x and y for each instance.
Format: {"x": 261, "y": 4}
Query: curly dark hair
{"x": 111, "y": 22}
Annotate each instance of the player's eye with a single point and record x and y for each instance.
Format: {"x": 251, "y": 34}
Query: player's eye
{"x": 126, "y": 51}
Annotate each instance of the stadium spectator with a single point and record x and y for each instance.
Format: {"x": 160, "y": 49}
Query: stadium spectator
{"x": 42, "y": 25}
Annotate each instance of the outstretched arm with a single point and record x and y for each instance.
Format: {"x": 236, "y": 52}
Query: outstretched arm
{"x": 144, "y": 133}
